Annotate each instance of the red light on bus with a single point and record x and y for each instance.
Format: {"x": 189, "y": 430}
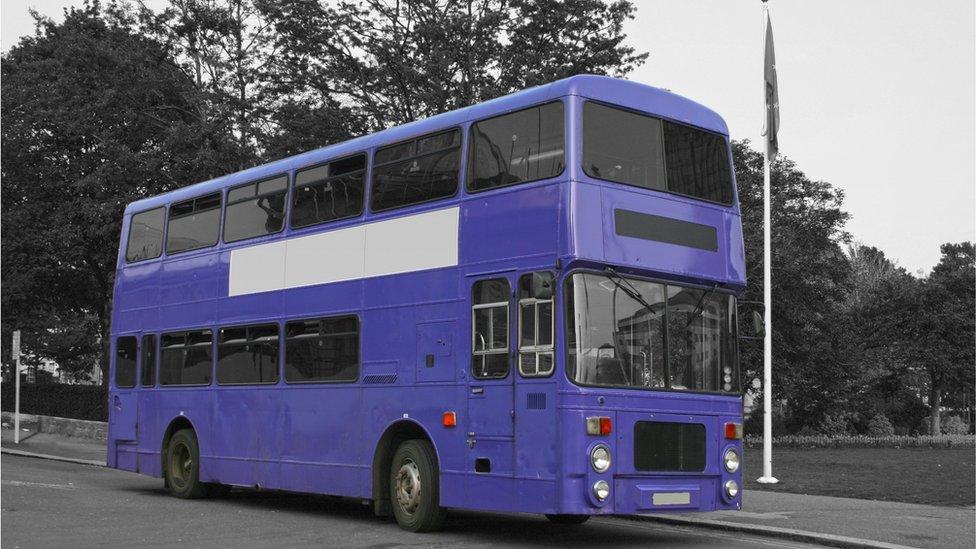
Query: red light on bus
{"x": 606, "y": 427}
{"x": 733, "y": 431}
{"x": 450, "y": 419}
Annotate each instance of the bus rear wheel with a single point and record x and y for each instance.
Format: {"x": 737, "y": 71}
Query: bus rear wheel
{"x": 182, "y": 468}
{"x": 568, "y": 519}
{"x": 414, "y": 487}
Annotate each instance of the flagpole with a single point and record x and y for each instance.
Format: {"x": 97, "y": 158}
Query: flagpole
{"x": 767, "y": 476}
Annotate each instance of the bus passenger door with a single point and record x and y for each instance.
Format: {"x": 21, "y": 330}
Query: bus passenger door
{"x": 490, "y": 419}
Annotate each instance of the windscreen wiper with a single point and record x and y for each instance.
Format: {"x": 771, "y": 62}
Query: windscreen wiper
{"x": 627, "y": 287}
{"x": 699, "y": 308}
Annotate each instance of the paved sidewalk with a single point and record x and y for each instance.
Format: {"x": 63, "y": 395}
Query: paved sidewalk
{"x": 889, "y": 522}
{"x": 54, "y": 445}
{"x": 840, "y": 522}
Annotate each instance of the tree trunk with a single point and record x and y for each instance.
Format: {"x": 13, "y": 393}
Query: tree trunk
{"x": 935, "y": 401}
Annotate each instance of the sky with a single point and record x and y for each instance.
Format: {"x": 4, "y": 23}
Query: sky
{"x": 877, "y": 97}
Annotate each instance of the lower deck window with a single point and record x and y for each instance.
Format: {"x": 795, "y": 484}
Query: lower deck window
{"x": 186, "y": 358}
{"x": 125, "y": 362}
{"x": 248, "y": 354}
{"x": 322, "y": 350}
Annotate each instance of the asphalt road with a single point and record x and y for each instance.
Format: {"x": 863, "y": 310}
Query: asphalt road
{"x": 55, "y": 504}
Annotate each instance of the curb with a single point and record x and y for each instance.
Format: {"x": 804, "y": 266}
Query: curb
{"x": 21, "y": 453}
{"x": 830, "y": 540}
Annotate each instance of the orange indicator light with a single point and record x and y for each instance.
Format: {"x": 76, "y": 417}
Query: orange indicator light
{"x": 450, "y": 419}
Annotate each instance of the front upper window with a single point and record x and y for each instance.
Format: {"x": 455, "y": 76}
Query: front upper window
{"x": 644, "y": 151}
{"x": 636, "y": 333}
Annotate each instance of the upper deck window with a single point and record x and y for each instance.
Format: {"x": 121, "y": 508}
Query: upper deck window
{"x": 145, "y": 235}
{"x": 415, "y": 171}
{"x": 255, "y": 209}
{"x": 329, "y": 192}
{"x": 644, "y": 151}
{"x": 522, "y": 146}
{"x": 193, "y": 224}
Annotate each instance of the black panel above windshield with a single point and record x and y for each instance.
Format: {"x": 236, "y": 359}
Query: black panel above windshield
{"x": 644, "y": 151}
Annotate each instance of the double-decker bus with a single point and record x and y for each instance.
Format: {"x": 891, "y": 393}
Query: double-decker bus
{"x": 526, "y": 305}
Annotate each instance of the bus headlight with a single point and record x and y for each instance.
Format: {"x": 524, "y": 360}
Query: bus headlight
{"x": 731, "y": 459}
{"x": 731, "y": 489}
{"x": 600, "y": 458}
{"x": 601, "y": 490}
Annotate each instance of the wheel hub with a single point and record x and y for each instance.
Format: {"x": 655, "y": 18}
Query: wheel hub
{"x": 408, "y": 489}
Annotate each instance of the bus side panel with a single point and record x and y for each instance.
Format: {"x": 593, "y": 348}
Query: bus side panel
{"x": 514, "y": 224}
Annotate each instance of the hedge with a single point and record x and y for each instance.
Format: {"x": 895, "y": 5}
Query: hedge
{"x": 860, "y": 441}
{"x": 55, "y": 399}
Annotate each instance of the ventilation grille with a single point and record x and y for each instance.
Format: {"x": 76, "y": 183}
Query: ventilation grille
{"x": 535, "y": 401}
{"x": 660, "y": 446}
{"x": 379, "y": 379}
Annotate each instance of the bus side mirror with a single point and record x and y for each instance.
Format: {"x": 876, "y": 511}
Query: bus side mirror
{"x": 758, "y": 324}
{"x": 542, "y": 285}
{"x": 755, "y": 326}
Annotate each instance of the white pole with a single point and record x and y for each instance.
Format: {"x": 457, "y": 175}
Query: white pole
{"x": 16, "y": 349}
{"x": 767, "y": 476}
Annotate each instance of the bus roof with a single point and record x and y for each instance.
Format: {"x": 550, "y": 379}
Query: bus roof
{"x": 625, "y": 93}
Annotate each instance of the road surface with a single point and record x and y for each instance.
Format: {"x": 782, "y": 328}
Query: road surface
{"x": 55, "y": 504}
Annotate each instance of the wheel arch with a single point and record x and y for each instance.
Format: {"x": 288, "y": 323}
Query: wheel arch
{"x": 386, "y": 446}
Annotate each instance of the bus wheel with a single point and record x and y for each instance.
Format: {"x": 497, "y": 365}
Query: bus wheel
{"x": 414, "y": 489}
{"x": 183, "y": 466}
{"x": 568, "y": 519}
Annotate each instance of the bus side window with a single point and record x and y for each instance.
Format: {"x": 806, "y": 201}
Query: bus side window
{"x": 255, "y": 209}
{"x": 148, "y": 360}
{"x": 322, "y": 350}
{"x": 186, "y": 358}
{"x": 247, "y": 354}
{"x": 536, "y": 292}
{"x": 420, "y": 170}
{"x": 329, "y": 192}
{"x": 145, "y": 235}
{"x": 193, "y": 224}
{"x": 489, "y": 328}
{"x": 515, "y": 148}
{"x": 125, "y": 362}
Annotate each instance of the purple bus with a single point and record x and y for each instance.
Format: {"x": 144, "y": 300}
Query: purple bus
{"x": 526, "y": 305}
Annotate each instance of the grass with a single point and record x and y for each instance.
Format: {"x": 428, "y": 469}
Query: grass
{"x": 933, "y": 476}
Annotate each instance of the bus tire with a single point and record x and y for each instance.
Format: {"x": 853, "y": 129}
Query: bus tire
{"x": 415, "y": 488}
{"x": 568, "y": 520}
{"x": 182, "y": 466}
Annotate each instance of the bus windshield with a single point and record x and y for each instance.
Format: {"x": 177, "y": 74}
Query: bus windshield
{"x": 649, "y": 335}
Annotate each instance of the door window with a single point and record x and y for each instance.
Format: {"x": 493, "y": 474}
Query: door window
{"x": 489, "y": 328}
{"x": 536, "y": 324}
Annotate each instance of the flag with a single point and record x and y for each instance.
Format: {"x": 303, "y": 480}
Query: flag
{"x": 772, "y": 93}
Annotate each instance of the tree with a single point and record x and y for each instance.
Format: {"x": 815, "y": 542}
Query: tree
{"x": 947, "y": 329}
{"x": 812, "y": 343}
{"x": 94, "y": 117}
{"x": 397, "y": 61}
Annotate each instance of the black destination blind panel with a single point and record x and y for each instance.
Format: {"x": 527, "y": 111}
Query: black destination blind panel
{"x": 665, "y": 229}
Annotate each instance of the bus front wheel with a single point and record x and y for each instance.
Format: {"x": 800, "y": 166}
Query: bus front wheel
{"x": 182, "y": 468}
{"x": 414, "y": 487}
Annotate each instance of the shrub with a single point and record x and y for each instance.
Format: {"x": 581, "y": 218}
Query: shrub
{"x": 954, "y": 425}
{"x": 55, "y": 399}
{"x": 807, "y": 431}
{"x": 879, "y": 426}
{"x": 835, "y": 425}
{"x": 856, "y": 441}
